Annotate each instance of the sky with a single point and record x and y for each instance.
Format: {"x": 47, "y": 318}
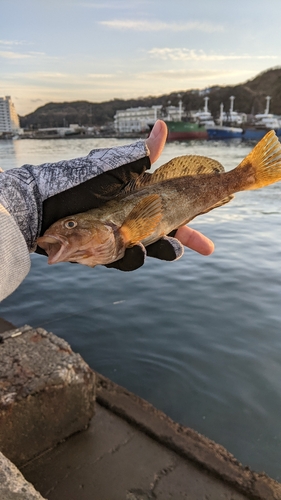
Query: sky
{"x": 67, "y": 50}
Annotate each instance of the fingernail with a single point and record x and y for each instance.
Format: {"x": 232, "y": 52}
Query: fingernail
{"x": 156, "y": 129}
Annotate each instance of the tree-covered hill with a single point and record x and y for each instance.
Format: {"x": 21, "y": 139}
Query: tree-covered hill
{"x": 249, "y": 98}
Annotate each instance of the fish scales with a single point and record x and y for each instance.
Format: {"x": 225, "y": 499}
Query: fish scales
{"x": 193, "y": 195}
{"x": 155, "y": 204}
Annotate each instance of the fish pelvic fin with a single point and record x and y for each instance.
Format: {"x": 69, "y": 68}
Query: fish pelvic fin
{"x": 263, "y": 165}
{"x": 142, "y": 220}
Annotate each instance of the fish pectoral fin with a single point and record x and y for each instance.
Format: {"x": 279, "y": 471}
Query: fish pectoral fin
{"x": 142, "y": 220}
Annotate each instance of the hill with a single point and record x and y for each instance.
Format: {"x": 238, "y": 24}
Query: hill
{"x": 249, "y": 98}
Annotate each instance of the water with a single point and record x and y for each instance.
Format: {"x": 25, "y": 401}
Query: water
{"x": 199, "y": 338}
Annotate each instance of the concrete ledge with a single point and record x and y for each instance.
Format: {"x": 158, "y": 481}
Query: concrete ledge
{"x": 13, "y": 485}
{"x": 5, "y": 325}
{"x": 47, "y": 392}
{"x": 186, "y": 442}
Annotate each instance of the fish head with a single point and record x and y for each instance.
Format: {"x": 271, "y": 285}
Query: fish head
{"x": 79, "y": 239}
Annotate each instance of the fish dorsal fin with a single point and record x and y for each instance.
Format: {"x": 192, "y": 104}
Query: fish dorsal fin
{"x": 180, "y": 166}
{"x": 142, "y": 220}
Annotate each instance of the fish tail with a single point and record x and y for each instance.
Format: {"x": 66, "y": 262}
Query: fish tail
{"x": 263, "y": 165}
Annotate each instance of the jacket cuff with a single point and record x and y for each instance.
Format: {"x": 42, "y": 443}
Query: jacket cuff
{"x": 15, "y": 258}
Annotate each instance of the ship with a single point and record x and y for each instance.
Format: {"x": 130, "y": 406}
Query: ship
{"x": 224, "y": 132}
{"x": 183, "y": 131}
{"x": 263, "y": 122}
{"x": 229, "y": 126}
{"x": 188, "y": 128}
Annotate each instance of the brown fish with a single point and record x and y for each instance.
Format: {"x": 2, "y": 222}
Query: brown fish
{"x": 157, "y": 203}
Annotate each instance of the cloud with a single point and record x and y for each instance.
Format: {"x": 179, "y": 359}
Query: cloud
{"x": 14, "y": 55}
{"x": 117, "y": 5}
{"x": 8, "y": 54}
{"x": 190, "y": 74}
{"x": 101, "y": 75}
{"x": 13, "y": 42}
{"x": 182, "y": 54}
{"x": 45, "y": 76}
{"x": 162, "y": 26}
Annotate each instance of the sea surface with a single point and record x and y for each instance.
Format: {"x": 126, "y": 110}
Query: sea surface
{"x": 199, "y": 338}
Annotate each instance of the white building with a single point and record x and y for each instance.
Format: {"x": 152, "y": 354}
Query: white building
{"x": 135, "y": 119}
{"x": 9, "y": 120}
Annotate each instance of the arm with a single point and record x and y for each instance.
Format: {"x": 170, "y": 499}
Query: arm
{"x": 25, "y": 191}
{"x": 33, "y": 197}
{"x": 15, "y": 260}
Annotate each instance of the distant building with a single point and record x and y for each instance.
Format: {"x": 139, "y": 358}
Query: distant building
{"x": 141, "y": 119}
{"x": 9, "y": 120}
{"x": 132, "y": 120}
{"x": 174, "y": 113}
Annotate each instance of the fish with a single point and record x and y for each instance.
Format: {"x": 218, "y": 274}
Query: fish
{"x": 156, "y": 204}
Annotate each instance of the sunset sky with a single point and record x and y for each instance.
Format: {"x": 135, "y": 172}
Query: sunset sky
{"x": 66, "y": 50}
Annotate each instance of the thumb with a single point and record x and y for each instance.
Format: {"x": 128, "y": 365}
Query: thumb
{"x": 156, "y": 140}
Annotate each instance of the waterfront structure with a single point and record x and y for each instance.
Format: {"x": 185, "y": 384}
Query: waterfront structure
{"x": 132, "y": 120}
{"x": 142, "y": 119}
{"x": 263, "y": 122}
{"x": 9, "y": 120}
{"x": 229, "y": 124}
{"x": 183, "y": 127}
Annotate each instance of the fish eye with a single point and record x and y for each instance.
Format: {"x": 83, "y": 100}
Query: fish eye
{"x": 70, "y": 224}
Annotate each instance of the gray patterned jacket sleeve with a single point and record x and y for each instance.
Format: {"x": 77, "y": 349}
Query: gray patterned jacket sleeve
{"x": 15, "y": 258}
{"x": 23, "y": 190}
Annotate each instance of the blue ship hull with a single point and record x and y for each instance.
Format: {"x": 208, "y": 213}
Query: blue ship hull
{"x": 221, "y": 132}
{"x": 257, "y": 134}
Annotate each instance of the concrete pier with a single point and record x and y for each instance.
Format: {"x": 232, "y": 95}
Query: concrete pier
{"x": 13, "y": 486}
{"x": 47, "y": 392}
{"x": 129, "y": 451}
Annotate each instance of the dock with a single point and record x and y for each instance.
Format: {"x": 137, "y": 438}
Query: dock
{"x": 69, "y": 433}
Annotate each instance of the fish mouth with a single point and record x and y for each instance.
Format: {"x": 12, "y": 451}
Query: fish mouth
{"x": 54, "y": 246}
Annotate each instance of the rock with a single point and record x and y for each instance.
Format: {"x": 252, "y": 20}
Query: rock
{"x": 13, "y": 485}
{"x": 47, "y": 392}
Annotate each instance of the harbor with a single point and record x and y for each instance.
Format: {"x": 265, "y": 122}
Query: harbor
{"x": 168, "y": 331}
{"x": 182, "y": 125}
{"x": 164, "y": 344}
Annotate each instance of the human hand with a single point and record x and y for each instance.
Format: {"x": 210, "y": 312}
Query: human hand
{"x": 37, "y": 196}
{"x": 195, "y": 240}
{"x": 169, "y": 247}
{"x": 96, "y": 191}
{"x": 186, "y": 235}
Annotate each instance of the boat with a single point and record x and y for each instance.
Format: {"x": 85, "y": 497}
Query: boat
{"x": 228, "y": 127}
{"x": 182, "y": 131}
{"x": 263, "y": 122}
{"x": 224, "y": 132}
{"x": 188, "y": 128}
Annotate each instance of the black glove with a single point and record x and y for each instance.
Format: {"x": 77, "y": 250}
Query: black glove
{"x": 95, "y": 192}
{"x": 167, "y": 248}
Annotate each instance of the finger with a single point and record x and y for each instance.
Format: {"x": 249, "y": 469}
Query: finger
{"x": 133, "y": 259}
{"x": 167, "y": 248}
{"x": 156, "y": 140}
{"x": 194, "y": 240}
